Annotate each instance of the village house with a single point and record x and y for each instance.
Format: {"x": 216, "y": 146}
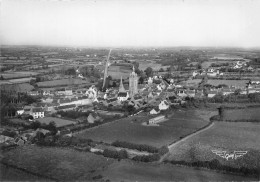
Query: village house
{"x": 227, "y": 91}
{"x": 155, "y": 111}
{"x": 66, "y": 107}
{"x": 212, "y": 93}
{"x": 156, "y": 120}
{"x": 181, "y": 93}
{"x": 93, "y": 117}
{"x": 164, "y": 105}
{"x": 36, "y": 112}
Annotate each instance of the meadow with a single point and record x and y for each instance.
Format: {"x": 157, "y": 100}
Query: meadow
{"x": 62, "y": 82}
{"x": 57, "y": 163}
{"x": 237, "y": 83}
{"x": 136, "y": 171}
{"x": 20, "y": 74}
{"x": 130, "y": 129}
{"x": 240, "y": 114}
{"x": 224, "y": 136}
{"x": 59, "y": 122}
{"x": 62, "y": 164}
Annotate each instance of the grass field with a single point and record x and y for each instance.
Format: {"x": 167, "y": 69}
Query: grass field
{"x": 59, "y": 122}
{"x": 12, "y": 174}
{"x": 57, "y": 163}
{"x": 62, "y": 82}
{"x": 133, "y": 171}
{"x": 237, "y": 83}
{"x": 69, "y": 165}
{"x": 225, "y": 136}
{"x": 239, "y": 114}
{"x": 178, "y": 125}
{"x": 11, "y": 75}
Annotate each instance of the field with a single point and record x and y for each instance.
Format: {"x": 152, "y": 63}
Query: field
{"x": 224, "y": 136}
{"x": 59, "y": 122}
{"x": 239, "y": 114}
{"x": 11, "y": 75}
{"x": 132, "y": 171}
{"x": 237, "y": 83}
{"x": 62, "y": 82}
{"x": 145, "y": 64}
{"x": 70, "y": 165}
{"x": 12, "y": 174}
{"x": 207, "y": 64}
{"x": 57, "y": 163}
{"x": 178, "y": 125}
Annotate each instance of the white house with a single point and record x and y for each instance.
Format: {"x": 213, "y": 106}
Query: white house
{"x": 212, "y": 94}
{"x": 195, "y": 73}
{"x": 156, "y": 120}
{"x": 164, "y": 105}
{"x": 37, "y": 112}
{"x": 122, "y": 96}
{"x": 154, "y": 111}
{"x": 181, "y": 93}
{"x": 20, "y": 111}
{"x": 150, "y": 80}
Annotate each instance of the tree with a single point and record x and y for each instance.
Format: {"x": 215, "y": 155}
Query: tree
{"x": 1, "y": 78}
{"x": 237, "y": 91}
{"x": 161, "y": 70}
{"x": 35, "y": 125}
{"x": 70, "y": 71}
{"x": 149, "y": 72}
{"x": 141, "y": 80}
{"x": 52, "y": 127}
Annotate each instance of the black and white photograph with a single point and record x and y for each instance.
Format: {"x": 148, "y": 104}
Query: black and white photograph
{"x": 129, "y": 90}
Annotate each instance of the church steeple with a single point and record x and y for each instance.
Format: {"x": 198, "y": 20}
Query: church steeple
{"x": 121, "y": 86}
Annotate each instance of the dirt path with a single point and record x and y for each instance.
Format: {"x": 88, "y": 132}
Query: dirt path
{"x": 171, "y": 146}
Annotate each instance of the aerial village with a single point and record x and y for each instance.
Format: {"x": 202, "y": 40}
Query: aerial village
{"x": 111, "y": 105}
{"x": 155, "y": 96}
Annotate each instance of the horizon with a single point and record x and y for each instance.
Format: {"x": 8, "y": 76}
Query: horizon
{"x": 134, "y": 24}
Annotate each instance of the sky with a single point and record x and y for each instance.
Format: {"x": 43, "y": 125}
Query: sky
{"x": 115, "y": 23}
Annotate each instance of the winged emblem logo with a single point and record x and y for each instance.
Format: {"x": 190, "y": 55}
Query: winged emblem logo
{"x": 227, "y": 156}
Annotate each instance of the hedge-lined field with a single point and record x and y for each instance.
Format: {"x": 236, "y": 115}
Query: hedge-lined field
{"x": 242, "y": 114}
{"x": 224, "y": 136}
{"x": 57, "y": 163}
{"x": 180, "y": 124}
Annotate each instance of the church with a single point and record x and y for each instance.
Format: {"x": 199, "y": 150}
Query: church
{"x": 133, "y": 83}
{"x": 122, "y": 93}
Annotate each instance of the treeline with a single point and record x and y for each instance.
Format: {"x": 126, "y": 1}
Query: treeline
{"x": 218, "y": 118}
{"x": 140, "y": 147}
{"x": 72, "y": 114}
{"x": 216, "y": 165}
{"x": 121, "y": 154}
{"x": 147, "y": 158}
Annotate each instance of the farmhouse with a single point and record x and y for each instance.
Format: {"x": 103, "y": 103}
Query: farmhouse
{"x": 156, "y": 120}
{"x": 164, "y": 105}
{"x": 155, "y": 111}
{"x": 37, "y": 112}
{"x": 212, "y": 93}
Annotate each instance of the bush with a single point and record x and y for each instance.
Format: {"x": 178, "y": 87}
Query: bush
{"x": 163, "y": 150}
{"x": 122, "y": 154}
{"x": 147, "y": 158}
